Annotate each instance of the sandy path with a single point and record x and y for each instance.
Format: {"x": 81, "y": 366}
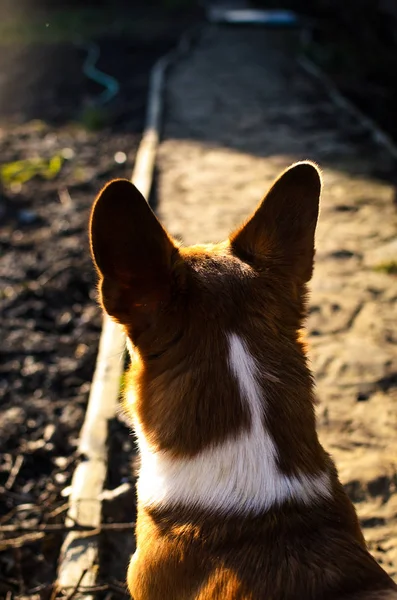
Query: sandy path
{"x": 239, "y": 110}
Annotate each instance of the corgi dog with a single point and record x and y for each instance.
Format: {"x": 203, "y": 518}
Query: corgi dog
{"x": 237, "y": 499}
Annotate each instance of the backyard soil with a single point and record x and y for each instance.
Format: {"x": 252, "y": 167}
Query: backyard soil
{"x": 50, "y": 318}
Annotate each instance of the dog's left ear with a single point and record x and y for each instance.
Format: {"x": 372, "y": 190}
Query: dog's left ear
{"x": 281, "y": 232}
{"x": 133, "y": 254}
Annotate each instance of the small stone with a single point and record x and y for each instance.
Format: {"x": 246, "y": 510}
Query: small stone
{"x": 120, "y": 158}
{"x": 81, "y": 350}
{"x": 61, "y": 462}
{"x": 85, "y": 387}
{"x": 67, "y": 153}
{"x": 61, "y": 478}
{"x": 65, "y": 318}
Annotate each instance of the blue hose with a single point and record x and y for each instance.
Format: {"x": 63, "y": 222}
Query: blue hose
{"x": 111, "y": 85}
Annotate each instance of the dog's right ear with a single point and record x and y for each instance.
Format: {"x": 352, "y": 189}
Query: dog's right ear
{"x": 132, "y": 253}
{"x": 281, "y": 231}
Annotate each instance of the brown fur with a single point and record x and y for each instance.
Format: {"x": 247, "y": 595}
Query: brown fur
{"x": 176, "y": 304}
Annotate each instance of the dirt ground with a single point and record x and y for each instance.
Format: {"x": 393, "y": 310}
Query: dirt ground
{"x": 50, "y": 319}
{"x": 238, "y": 110}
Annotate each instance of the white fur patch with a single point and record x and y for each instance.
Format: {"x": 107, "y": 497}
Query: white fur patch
{"x": 239, "y": 475}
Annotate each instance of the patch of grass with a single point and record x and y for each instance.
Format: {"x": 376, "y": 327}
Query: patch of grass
{"x": 389, "y": 267}
{"x": 21, "y": 171}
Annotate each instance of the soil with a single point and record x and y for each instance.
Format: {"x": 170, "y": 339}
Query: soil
{"x": 50, "y": 318}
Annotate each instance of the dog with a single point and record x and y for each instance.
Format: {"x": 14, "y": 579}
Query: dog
{"x": 237, "y": 499}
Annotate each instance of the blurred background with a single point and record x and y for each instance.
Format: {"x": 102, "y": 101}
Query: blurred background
{"x": 73, "y": 87}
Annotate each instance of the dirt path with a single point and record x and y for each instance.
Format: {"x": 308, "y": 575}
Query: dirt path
{"x": 239, "y": 110}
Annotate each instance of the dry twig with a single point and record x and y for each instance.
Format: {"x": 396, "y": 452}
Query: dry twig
{"x": 33, "y": 534}
{"x": 14, "y": 472}
{"x": 61, "y": 528}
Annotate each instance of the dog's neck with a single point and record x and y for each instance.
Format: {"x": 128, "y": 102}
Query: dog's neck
{"x": 254, "y": 467}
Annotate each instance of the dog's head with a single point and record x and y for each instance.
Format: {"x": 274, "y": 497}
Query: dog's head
{"x": 155, "y": 287}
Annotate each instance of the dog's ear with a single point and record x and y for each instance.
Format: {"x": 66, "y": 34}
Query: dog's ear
{"x": 132, "y": 252}
{"x": 281, "y": 231}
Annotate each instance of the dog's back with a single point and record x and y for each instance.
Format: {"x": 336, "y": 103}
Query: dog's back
{"x": 237, "y": 499}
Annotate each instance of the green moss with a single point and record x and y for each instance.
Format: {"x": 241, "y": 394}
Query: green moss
{"x": 389, "y": 267}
